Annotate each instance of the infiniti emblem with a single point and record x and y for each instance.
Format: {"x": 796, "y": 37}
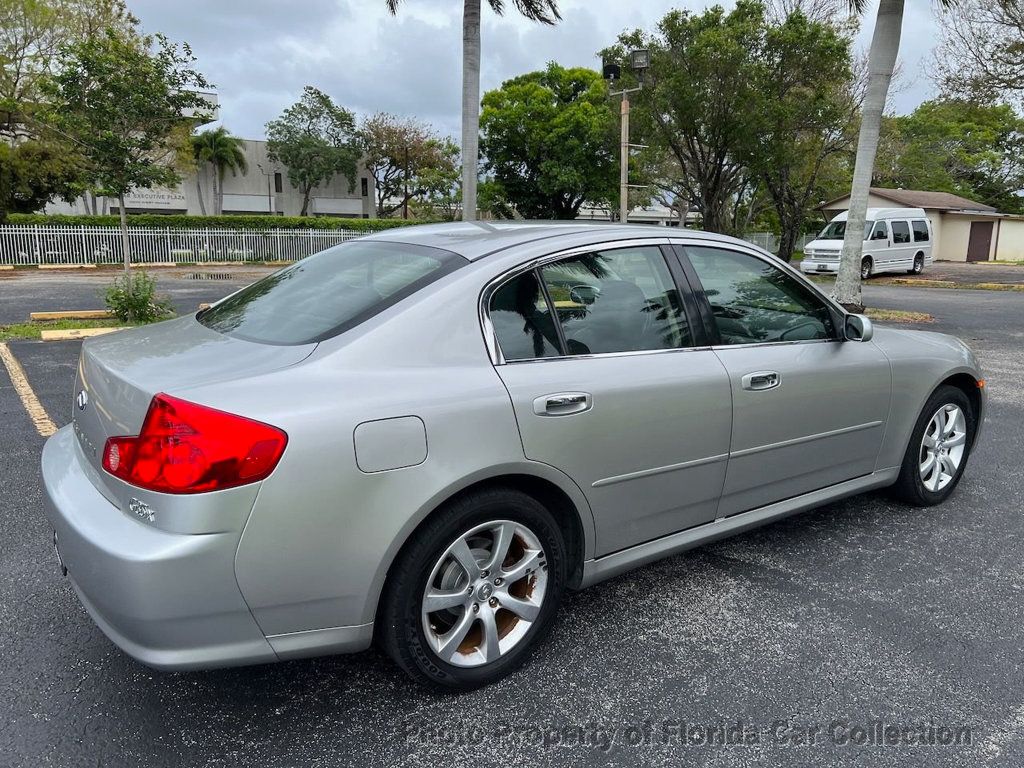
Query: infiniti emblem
{"x": 82, "y": 400}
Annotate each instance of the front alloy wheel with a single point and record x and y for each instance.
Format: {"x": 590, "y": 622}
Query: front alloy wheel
{"x": 939, "y": 448}
{"x": 942, "y": 447}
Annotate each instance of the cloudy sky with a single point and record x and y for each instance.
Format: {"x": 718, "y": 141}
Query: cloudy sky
{"x": 260, "y": 53}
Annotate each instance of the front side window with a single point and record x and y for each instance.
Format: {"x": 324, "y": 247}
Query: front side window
{"x": 328, "y": 293}
{"x": 900, "y": 232}
{"x": 880, "y": 232}
{"x": 920, "y": 231}
{"x": 754, "y": 302}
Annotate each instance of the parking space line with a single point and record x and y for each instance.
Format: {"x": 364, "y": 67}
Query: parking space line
{"x": 43, "y": 423}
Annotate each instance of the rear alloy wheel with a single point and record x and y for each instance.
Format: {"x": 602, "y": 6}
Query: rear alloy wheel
{"x": 938, "y": 450}
{"x": 918, "y": 265}
{"x": 865, "y": 268}
{"x": 475, "y": 591}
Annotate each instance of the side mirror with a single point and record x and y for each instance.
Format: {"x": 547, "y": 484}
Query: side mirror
{"x": 858, "y": 328}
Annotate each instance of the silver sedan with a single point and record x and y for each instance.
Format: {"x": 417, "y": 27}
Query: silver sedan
{"x": 424, "y": 437}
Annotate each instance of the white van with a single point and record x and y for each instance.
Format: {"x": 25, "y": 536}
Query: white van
{"x": 895, "y": 240}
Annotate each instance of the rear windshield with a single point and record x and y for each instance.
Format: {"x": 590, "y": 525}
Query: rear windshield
{"x": 329, "y": 293}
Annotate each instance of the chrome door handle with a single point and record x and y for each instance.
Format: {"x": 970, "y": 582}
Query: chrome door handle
{"x": 759, "y": 380}
{"x": 562, "y": 404}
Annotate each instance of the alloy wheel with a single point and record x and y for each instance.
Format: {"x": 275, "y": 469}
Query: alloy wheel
{"x": 942, "y": 447}
{"x": 484, "y": 593}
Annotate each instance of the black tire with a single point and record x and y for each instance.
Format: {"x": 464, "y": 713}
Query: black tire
{"x": 865, "y": 267}
{"x": 909, "y": 487}
{"x": 400, "y": 631}
{"x": 918, "y": 267}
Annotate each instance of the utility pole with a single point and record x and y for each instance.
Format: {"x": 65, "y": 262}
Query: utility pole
{"x": 639, "y": 61}
{"x": 270, "y": 197}
{"x": 405, "y": 192}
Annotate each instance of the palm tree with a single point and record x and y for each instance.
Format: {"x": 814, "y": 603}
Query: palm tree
{"x": 544, "y": 11}
{"x": 225, "y": 153}
{"x": 885, "y": 45}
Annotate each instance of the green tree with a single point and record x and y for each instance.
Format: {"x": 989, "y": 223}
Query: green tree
{"x": 699, "y": 97}
{"x": 217, "y": 147}
{"x": 32, "y": 34}
{"x": 804, "y": 97}
{"x": 316, "y": 140}
{"x": 543, "y": 11}
{"x": 969, "y": 149}
{"x": 441, "y": 196}
{"x": 550, "y": 141}
{"x": 122, "y": 107}
{"x": 404, "y": 155}
{"x": 33, "y": 173}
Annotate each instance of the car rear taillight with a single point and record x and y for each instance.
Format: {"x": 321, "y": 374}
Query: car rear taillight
{"x": 189, "y": 448}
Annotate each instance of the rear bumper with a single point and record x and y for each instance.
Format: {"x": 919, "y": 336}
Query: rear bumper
{"x": 169, "y": 600}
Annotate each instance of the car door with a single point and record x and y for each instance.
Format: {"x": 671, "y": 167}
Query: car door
{"x": 610, "y": 384}
{"x": 902, "y": 247}
{"x": 878, "y": 246}
{"x": 809, "y": 410}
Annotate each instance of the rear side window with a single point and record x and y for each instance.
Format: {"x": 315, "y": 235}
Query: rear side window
{"x": 920, "y": 231}
{"x": 329, "y": 293}
{"x": 521, "y": 320}
{"x": 900, "y": 232}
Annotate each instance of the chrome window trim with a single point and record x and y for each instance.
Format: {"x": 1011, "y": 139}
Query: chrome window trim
{"x": 498, "y": 358}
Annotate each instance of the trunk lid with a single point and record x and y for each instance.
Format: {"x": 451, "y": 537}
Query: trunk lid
{"x": 118, "y": 375}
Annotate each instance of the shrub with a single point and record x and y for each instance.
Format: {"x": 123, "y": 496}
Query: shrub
{"x": 133, "y": 299}
{"x": 182, "y": 221}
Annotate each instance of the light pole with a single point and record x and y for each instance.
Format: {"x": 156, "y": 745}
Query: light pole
{"x": 270, "y": 197}
{"x": 639, "y": 60}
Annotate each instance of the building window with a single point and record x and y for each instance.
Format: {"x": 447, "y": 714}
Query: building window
{"x": 278, "y": 183}
{"x": 365, "y": 187}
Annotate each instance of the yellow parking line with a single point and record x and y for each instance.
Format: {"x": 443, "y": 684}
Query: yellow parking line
{"x": 36, "y": 412}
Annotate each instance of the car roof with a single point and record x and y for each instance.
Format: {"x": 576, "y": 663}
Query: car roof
{"x": 475, "y": 239}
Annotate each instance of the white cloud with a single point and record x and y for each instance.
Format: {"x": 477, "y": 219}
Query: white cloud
{"x": 260, "y": 53}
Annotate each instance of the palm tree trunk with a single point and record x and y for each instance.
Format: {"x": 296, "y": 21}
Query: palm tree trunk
{"x": 124, "y": 232}
{"x": 199, "y": 193}
{"x": 220, "y": 189}
{"x": 885, "y": 45}
{"x": 470, "y": 105}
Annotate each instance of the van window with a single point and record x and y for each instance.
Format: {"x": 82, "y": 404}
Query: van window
{"x": 920, "y": 231}
{"x": 836, "y": 230}
{"x": 880, "y": 232}
{"x": 328, "y": 293}
{"x": 900, "y": 232}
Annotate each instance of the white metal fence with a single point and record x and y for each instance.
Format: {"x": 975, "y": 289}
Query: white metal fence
{"x": 30, "y": 245}
{"x": 770, "y": 241}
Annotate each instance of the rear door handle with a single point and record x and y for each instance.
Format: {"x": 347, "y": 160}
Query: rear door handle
{"x": 759, "y": 380}
{"x": 562, "y": 404}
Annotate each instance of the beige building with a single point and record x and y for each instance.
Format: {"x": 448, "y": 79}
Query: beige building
{"x": 265, "y": 188}
{"x": 963, "y": 230}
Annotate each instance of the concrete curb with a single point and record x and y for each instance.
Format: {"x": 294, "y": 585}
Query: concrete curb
{"x": 78, "y": 314}
{"x": 65, "y": 266}
{"x": 75, "y": 333}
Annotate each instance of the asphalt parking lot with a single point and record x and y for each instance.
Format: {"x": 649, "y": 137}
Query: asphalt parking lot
{"x": 795, "y": 639}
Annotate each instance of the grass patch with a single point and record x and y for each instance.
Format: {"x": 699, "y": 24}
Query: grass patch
{"x": 899, "y": 316}
{"x": 32, "y": 330}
